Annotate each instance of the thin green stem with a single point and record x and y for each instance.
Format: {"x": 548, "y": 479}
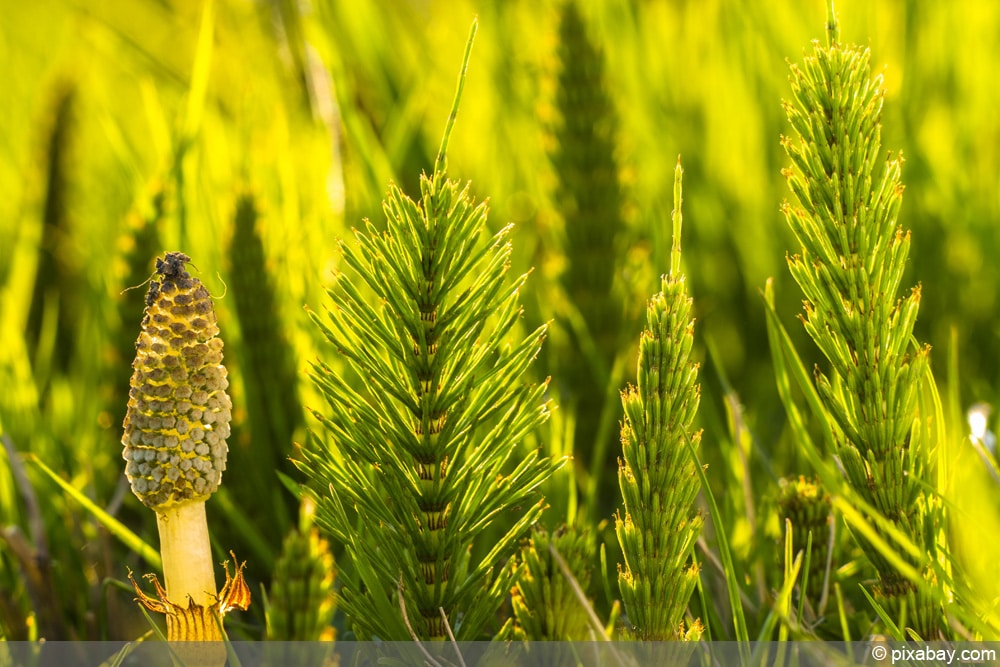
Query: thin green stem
{"x": 441, "y": 162}
{"x": 678, "y": 221}
{"x": 832, "y": 27}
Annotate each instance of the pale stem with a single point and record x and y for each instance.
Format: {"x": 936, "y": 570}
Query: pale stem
{"x": 188, "y": 569}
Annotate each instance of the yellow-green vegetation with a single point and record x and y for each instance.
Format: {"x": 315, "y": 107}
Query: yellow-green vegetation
{"x": 452, "y": 358}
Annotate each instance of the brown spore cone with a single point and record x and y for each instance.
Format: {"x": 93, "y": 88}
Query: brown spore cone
{"x": 178, "y": 410}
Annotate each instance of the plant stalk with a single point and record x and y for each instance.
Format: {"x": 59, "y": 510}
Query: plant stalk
{"x": 187, "y": 554}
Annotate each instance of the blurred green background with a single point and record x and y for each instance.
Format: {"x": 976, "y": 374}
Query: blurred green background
{"x": 130, "y": 128}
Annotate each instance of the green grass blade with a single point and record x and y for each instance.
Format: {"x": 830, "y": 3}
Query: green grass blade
{"x": 885, "y": 618}
{"x": 845, "y": 628}
{"x": 114, "y": 526}
{"x": 732, "y": 585}
{"x": 787, "y": 367}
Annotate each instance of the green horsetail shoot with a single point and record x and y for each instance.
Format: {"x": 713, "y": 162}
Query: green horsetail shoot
{"x": 850, "y": 267}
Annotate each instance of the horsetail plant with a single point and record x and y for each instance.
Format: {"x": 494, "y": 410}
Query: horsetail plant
{"x": 850, "y": 267}
{"x": 302, "y": 601}
{"x": 545, "y": 606}
{"x": 175, "y": 447}
{"x": 423, "y": 460}
{"x": 805, "y": 505}
{"x": 58, "y": 279}
{"x": 268, "y": 361}
{"x": 656, "y": 474}
{"x": 268, "y": 353}
{"x": 589, "y": 196}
